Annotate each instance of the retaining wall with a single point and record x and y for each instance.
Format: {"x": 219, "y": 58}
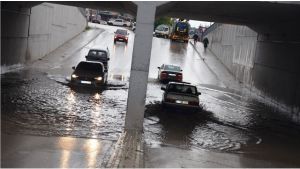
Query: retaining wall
{"x": 268, "y": 68}
{"x": 28, "y": 34}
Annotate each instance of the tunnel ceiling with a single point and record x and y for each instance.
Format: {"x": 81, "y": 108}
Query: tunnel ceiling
{"x": 259, "y": 15}
{"x": 232, "y": 12}
{"x": 117, "y": 6}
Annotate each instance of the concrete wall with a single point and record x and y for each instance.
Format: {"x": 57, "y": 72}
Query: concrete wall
{"x": 29, "y": 34}
{"x": 268, "y": 68}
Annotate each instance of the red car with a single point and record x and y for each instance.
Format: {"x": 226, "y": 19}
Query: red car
{"x": 121, "y": 35}
{"x": 168, "y": 73}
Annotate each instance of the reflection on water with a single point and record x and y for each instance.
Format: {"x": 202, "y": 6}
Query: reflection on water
{"x": 66, "y": 144}
{"x": 41, "y": 106}
{"x": 119, "y": 48}
{"x": 178, "y": 48}
{"x": 92, "y": 147}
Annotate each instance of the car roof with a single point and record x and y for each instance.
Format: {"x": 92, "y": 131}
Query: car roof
{"x": 98, "y": 49}
{"x": 171, "y": 65}
{"x": 121, "y": 30}
{"x": 181, "y": 83}
{"x": 92, "y": 62}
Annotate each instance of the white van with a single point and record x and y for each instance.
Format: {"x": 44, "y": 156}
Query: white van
{"x": 162, "y": 31}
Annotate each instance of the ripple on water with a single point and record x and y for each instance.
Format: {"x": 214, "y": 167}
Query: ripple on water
{"x": 44, "y": 107}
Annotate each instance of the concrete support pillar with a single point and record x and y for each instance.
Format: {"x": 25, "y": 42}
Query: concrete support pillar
{"x": 140, "y": 66}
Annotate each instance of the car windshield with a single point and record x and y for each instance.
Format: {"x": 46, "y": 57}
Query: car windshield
{"x": 185, "y": 89}
{"x": 97, "y": 53}
{"x": 162, "y": 28}
{"x": 172, "y": 68}
{"x": 89, "y": 67}
{"x": 122, "y": 32}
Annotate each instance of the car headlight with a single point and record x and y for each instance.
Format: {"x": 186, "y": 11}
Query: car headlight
{"x": 98, "y": 78}
{"x": 74, "y": 76}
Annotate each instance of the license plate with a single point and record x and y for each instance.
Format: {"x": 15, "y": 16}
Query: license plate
{"x": 182, "y": 102}
{"x": 86, "y": 82}
{"x": 120, "y": 39}
{"x": 172, "y": 74}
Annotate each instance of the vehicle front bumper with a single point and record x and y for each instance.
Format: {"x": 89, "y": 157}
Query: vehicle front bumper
{"x": 94, "y": 83}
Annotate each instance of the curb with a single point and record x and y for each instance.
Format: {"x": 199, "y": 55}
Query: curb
{"x": 128, "y": 151}
{"x": 197, "y": 50}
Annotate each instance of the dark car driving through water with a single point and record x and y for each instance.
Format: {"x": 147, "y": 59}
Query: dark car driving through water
{"x": 99, "y": 55}
{"x": 89, "y": 73}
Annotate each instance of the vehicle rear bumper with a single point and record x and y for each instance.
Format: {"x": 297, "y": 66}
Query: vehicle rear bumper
{"x": 121, "y": 39}
{"x": 169, "y": 79}
{"x": 181, "y": 106}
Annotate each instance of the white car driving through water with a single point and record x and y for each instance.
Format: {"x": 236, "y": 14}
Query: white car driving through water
{"x": 180, "y": 94}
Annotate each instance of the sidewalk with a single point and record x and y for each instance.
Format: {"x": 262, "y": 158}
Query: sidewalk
{"x": 216, "y": 66}
{"x": 25, "y": 151}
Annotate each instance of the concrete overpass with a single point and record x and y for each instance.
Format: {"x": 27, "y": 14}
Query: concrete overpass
{"x": 276, "y": 23}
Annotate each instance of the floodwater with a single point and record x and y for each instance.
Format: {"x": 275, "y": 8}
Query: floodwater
{"x": 38, "y": 101}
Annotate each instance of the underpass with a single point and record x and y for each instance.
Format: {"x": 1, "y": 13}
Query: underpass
{"x": 217, "y": 129}
{"x": 39, "y": 102}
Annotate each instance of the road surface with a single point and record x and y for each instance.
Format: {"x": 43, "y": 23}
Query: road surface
{"x": 233, "y": 130}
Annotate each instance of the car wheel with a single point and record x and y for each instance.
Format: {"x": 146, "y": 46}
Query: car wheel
{"x": 115, "y": 41}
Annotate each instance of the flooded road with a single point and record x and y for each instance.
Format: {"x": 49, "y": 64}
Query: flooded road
{"x": 38, "y": 101}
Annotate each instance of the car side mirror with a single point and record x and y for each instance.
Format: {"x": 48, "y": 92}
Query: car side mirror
{"x": 158, "y": 67}
{"x": 199, "y": 93}
{"x": 86, "y": 56}
{"x": 127, "y": 33}
{"x": 114, "y": 32}
{"x": 181, "y": 70}
{"x": 73, "y": 67}
{"x": 163, "y": 88}
{"x": 108, "y": 58}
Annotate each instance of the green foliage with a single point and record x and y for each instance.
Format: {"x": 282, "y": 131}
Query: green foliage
{"x": 87, "y": 28}
{"x": 162, "y": 20}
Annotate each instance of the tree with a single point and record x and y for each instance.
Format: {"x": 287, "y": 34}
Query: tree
{"x": 162, "y": 20}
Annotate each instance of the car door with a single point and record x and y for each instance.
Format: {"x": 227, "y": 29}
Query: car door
{"x": 118, "y": 22}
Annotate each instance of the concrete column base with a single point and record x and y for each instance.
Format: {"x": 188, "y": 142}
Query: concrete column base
{"x": 128, "y": 152}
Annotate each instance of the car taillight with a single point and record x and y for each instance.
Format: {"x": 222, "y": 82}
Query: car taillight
{"x": 163, "y": 74}
{"x": 179, "y": 77}
{"x": 194, "y": 103}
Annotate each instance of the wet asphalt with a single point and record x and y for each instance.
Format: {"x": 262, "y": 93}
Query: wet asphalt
{"x": 38, "y": 100}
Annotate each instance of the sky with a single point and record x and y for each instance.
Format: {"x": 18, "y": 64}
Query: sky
{"x": 196, "y": 24}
